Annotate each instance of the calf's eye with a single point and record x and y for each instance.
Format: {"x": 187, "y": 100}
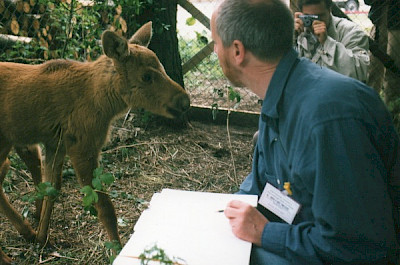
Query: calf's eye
{"x": 147, "y": 77}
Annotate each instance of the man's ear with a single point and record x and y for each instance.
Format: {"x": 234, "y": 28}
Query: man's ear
{"x": 114, "y": 46}
{"x": 143, "y": 35}
{"x": 238, "y": 51}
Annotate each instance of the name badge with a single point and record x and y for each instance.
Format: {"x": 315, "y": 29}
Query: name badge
{"x": 279, "y": 203}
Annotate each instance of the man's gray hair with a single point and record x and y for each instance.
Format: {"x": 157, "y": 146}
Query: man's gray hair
{"x": 265, "y": 27}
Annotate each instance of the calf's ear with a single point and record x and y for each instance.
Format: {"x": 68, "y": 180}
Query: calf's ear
{"x": 114, "y": 46}
{"x": 143, "y": 35}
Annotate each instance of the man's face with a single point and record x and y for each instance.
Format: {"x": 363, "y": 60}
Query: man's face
{"x": 318, "y": 9}
{"x": 224, "y": 57}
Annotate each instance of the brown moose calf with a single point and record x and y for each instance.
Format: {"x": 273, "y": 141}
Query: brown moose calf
{"x": 69, "y": 106}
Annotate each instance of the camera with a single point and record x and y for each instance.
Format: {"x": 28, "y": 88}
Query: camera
{"x": 308, "y": 19}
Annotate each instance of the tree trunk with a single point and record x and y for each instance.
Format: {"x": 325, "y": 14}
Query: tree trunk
{"x": 165, "y": 41}
{"x": 165, "y": 44}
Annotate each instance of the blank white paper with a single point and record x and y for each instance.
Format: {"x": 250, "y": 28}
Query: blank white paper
{"x": 187, "y": 224}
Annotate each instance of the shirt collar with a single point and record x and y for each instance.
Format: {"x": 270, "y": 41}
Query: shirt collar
{"x": 277, "y": 84}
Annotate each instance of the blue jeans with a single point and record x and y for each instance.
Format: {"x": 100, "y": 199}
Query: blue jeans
{"x": 260, "y": 256}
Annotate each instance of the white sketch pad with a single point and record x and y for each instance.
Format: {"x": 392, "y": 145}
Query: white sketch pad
{"x": 187, "y": 224}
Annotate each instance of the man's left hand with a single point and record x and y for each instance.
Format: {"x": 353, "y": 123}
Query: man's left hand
{"x": 246, "y": 221}
{"x": 319, "y": 29}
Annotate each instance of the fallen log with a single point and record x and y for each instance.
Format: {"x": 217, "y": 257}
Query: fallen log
{"x": 8, "y": 41}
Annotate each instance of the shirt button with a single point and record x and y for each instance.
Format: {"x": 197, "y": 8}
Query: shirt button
{"x": 275, "y": 139}
{"x": 278, "y": 181}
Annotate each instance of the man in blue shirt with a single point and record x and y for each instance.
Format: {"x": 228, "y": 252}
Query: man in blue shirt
{"x": 326, "y": 144}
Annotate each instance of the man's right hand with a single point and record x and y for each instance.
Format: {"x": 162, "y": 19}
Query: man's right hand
{"x": 246, "y": 221}
{"x": 298, "y": 23}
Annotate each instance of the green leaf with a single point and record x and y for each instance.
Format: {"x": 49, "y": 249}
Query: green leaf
{"x": 29, "y": 198}
{"x": 97, "y": 172}
{"x": 51, "y": 191}
{"x": 90, "y": 197}
{"x": 86, "y": 190}
{"x": 45, "y": 189}
{"x": 234, "y": 95}
{"x": 114, "y": 245}
{"x": 190, "y": 21}
{"x": 88, "y": 200}
{"x": 43, "y": 185}
{"x": 107, "y": 179}
{"x": 108, "y": 244}
{"x": 96, "y": 183}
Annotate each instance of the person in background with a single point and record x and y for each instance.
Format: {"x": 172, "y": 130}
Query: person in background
{"x": 326, "y": 166}
{"x": 330, "y": 41}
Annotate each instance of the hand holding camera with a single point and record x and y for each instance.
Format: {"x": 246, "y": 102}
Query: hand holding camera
{"x": 305, "y": 23}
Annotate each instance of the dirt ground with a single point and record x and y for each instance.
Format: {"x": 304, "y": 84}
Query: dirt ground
{"x": 144, "y": 157}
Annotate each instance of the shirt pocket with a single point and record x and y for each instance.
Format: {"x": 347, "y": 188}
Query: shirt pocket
{"x": 271, "y": 179}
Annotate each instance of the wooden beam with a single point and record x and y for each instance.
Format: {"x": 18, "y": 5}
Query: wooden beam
{"x": 239, "y": 118}
{"x": 198, "y": 57}
{"x": 196, "y": 13}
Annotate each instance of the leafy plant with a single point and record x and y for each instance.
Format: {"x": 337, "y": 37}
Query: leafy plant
{"x": 155, "y": 253}
{"x": 77, "y": 30}
{"x": 234, "y": 96}
{"x": 42, "y": 190}
{"x": 73, "y": 30}
{"x": 100, "y": 183}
